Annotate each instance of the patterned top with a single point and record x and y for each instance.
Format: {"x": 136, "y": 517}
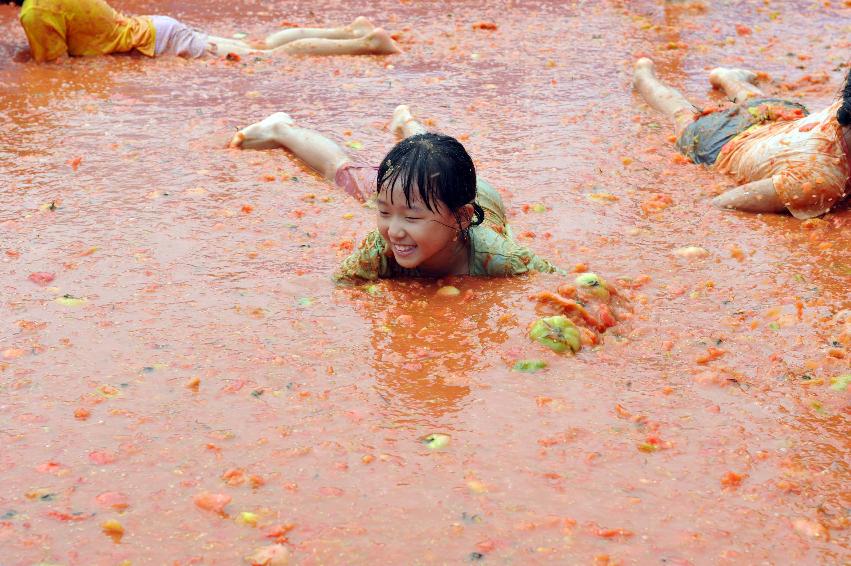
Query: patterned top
{"x": 493, "y": 251}
{"x": 804, "y": 158}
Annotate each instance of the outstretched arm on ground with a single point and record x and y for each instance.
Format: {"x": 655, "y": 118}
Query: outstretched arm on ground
{"x": 758, "y": 196}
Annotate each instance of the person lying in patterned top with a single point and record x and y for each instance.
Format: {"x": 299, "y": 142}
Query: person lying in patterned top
{"x": 434, "y": 216}
{"x": 781, "y": 156}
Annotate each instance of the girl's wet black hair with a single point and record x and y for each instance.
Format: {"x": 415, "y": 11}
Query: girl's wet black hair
{"x": 19, "y": 2}
{"x": 843, "y": 115}
{"x": 438, "y": 168}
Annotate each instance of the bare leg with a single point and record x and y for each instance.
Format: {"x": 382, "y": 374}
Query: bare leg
{"x": 404, "y": 124}
{"x": 376, "y": 42}
{"x": 224, "y": 45}
{"x": 661, "y": 97}
{"x": 358, "y": 28}
{"x": 279, "y": 130}
{"x": 737, "y": 84}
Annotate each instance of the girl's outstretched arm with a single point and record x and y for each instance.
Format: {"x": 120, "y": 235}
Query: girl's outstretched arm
{"x": 758, "y": 196}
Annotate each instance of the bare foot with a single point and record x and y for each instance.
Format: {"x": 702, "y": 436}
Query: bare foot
{"x": 381, "y": 43}
{"x": 719, "y": 75}
{"x": 263, "y": 134}
{"x": 361, "y": 26}
{"x": 644, "y": 71}
{"x": 401, "y": 116}
{"x": 644, "y": 65}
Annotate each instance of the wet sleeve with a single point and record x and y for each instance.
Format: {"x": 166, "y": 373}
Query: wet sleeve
{"x": 46, "y": 34}
{"x": 808, "y": 192}
{"x": 525, "y": 261}
{"x": 512, "y": 260}
{"x": 537, "y": 263}
{"x": 368, "y": 262}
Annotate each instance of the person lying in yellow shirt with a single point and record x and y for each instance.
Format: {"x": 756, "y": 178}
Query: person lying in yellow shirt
{"x": 92, "y": 27}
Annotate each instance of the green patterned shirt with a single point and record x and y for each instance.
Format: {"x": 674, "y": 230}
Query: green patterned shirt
{"x": 493, "y": 251}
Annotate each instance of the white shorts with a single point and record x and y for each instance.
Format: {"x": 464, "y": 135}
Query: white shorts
{"x": 175, "y": 38}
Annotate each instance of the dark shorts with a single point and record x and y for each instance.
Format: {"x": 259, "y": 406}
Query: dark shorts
{"x": 703, "y": 139}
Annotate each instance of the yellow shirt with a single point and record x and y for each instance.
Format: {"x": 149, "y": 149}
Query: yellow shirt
{"x": 83, "y": 27}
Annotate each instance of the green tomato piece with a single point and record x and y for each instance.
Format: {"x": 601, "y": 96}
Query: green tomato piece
{"x": 647, "y": 447}
{"x": 248, "y": 518}
{"x": 373, "y": 289}
{"x": 558, "y": 333}
{"x": 840, "y": 382}
{"x": 436, "y": 441}
{"x": 529, "y": 366}
{"x": 588, "y": 280}
{"x": 70, "y": 301}
{"x": 592, "y": 284}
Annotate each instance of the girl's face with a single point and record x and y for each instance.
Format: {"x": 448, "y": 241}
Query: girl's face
{"x": 419, "y": 238}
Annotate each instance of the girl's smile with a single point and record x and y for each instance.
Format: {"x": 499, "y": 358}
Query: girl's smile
{"x": 403, "y": 250}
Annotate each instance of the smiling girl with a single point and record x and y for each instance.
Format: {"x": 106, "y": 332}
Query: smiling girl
{"x": 434, "y": 216}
